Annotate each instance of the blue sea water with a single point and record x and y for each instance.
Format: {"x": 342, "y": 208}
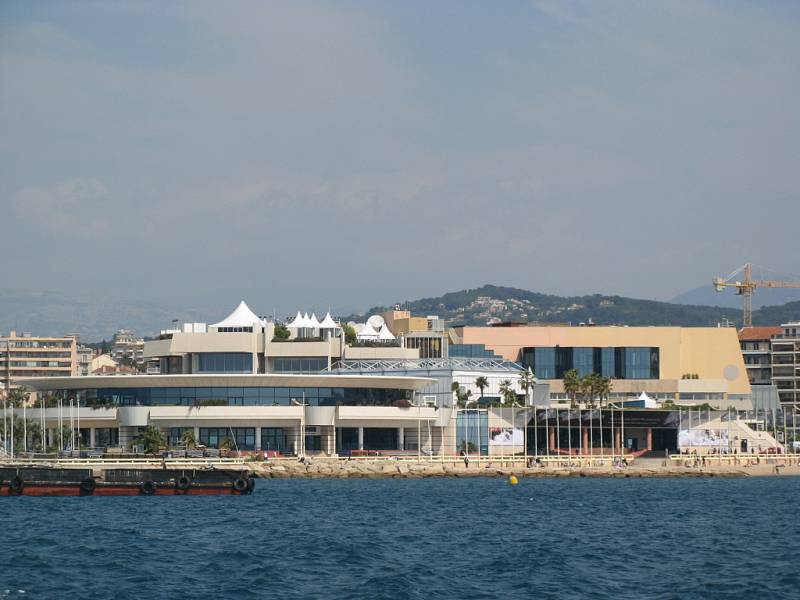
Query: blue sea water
{"x": 419, "y": 538}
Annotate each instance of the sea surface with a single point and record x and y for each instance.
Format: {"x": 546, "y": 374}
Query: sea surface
{"x": 418, "y": 538}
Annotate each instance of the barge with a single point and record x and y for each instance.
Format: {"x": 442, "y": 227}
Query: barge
{"x": 52, "y": 481}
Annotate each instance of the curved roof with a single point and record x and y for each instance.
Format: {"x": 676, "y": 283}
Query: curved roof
{"x": 328, "y": 322}
{"x": 241, "y": 317}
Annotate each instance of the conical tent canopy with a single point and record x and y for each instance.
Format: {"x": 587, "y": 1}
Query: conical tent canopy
{"x": 644, "y": 396}
{"x": 385, "y": 335}
{"x": 367, "y": 332}
{"x": 241, "y": 317}
{"x": 314, "y": 322}
{"x": 306, "y": 321}
{"x": 297, "y": 322}
{"x": 328, "y": 322}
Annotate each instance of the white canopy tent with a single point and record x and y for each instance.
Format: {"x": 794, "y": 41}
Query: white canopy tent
{"x": 367, "y": 333}
{"x": 328, "y": 322}
{"x": 297, "y": 323}
{"x": 241, "y": 317}
{"x": 385, "y": 335}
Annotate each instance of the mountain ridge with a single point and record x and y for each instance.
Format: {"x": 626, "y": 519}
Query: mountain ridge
{"x": 96, "y": 318}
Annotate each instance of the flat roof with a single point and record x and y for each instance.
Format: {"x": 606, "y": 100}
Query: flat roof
{"x": 227, "y": 380}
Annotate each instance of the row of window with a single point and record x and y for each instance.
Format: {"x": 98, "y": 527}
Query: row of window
{"x": 225, "y": 362}
{"x": 298, "y": 364}
{"x": 618, "y": 363}
{"x": 239, "y": 396}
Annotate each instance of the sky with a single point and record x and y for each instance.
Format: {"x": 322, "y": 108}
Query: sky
{"x": 362, "y": 153}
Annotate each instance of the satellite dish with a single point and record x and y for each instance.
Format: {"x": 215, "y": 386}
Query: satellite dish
{"x": 376, "y": 321}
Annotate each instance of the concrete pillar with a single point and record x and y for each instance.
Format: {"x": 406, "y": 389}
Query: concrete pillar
{"x": 649, "y": 438}
{"x": 258, "y": 437}
{"x": 360, "y": 438}
{"x": 617, "y": 440}
{"x": 197, "y": 434}
{"x": 401, "y": 442}
{"x": 585, "y": 443}
{"x": 552, "y": 438}
{"x": 91, "y": 437}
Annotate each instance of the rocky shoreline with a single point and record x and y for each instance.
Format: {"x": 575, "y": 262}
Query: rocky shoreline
{"x": 364, "y": 469}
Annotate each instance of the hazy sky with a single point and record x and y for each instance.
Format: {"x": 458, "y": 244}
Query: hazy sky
{"x": 354, "y": 153}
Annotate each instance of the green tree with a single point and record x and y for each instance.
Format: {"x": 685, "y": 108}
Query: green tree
{"x": 226, "y": 444}
{"x": 462, "y": 395}
{"x": 526, "y": 382}
{"x": 187, "y": 437}
{"x": 282, "y": 332}
{"x": 481, "y": 383}
{"x": 349, "y": 334}
{"x": 507, "y": 392}
{"x": 572, "y": 386}
{"x": 151, "y": 439}
{"x": 17, "y": 397}
{"x": 604, "y": 388}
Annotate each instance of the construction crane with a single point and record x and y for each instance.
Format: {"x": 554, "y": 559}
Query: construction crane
{"x": 747, "y": 287}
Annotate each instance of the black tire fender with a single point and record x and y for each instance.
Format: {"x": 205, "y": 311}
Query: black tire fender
{"x": 183, "y": 483}
{"x": 88, "y": 486}
{"x": 148, "y": 488}
{"x": 16, "y": 485}
{"x": 241, "y": 485}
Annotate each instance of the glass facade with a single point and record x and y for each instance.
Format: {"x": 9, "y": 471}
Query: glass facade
{"x": 470, "y": 351}
{"x": 106, "y": 436}
{"x": 472, "y": 431}
{"x": 239, "y": 396}
{"x": 619, "y": 363}
{"x": 242, "y": 438}
{"x": 225, "y": 362}
{"x": 300, "y": 364}
{"x": 274, "y": 439}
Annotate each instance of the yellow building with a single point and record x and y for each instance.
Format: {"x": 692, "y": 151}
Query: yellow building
{"x": 689, "y": 365}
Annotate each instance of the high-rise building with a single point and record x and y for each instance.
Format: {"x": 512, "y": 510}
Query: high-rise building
{"x": 785, "y": 350}
{"x": 755, "y": 343}
{"x": 29, "y": 356}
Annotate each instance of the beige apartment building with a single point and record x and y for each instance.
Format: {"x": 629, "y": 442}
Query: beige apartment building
{"x": 32, "y": 356}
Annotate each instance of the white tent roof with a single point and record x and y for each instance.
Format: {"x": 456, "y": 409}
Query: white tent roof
{"x": 644, "y": 396}
{"x": 297, "y": 322}
{"x": 367, "y": 332}
{"x": 314, "y": 321}
{"x": 328, "y": 322}
{"x": 241, "y": 317}
{"x": 385, "y": 334}
{"x": 306, "y": 321}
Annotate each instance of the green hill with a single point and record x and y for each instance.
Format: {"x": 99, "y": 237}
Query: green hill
{"x": 491, "y": 304}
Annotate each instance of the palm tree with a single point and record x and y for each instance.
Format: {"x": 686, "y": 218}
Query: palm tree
{"x": 481, "y": 383}
{"x": 572, "y": 385}
{"x": 526, "y": 382}
{"x": 151, "y": 440}
{"x": 507, "y": 392}
{"x": 187, "y": 437}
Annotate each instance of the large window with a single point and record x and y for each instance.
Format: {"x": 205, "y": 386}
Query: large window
{"x": 105, "y": 437}
{"x": 619, "y": 363}
{"x": 225, "y": 362}
{"x": 242, "y": 438}
{"x": 240, "y": 396}
{"x": 301, "y": 364}
{"x": 274, "y": 439}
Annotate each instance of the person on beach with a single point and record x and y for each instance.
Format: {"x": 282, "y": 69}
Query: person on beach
{"x": 466, "y": 461}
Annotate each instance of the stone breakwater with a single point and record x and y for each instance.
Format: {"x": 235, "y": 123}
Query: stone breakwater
{"x": 321, "y": 468}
